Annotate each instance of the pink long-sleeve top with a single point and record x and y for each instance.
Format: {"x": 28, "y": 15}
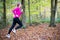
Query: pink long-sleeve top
{"x": 17, "y": 12}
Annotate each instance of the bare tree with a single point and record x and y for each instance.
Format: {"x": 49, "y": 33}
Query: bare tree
{"x": 23, "y": 15}
{"x": 29, "y": 13}
{"x": 53, "y": 12}
{"x": 4, "y": 13}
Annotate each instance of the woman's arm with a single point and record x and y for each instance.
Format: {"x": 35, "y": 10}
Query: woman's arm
{"x": 14, "y": 12}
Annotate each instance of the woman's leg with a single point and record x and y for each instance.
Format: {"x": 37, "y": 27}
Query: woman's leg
{"x": 20, "y": 24}
{"x": 14, "y": 23}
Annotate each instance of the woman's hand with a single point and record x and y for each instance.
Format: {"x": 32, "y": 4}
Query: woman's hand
{"x": 16, "y": 15}
{"x": 21, "y": 10}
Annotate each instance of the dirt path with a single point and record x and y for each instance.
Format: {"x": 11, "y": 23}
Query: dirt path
{"x": 39, "y": 32}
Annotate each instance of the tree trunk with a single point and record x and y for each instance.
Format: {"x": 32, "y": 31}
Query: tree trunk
{"x": 23, "y": 15}
{"x": 29, "y": 12}
{"x": 4, "y": 12}
{"x": 53, "y": 12}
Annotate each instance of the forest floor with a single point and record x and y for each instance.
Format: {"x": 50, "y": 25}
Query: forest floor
{"x": 35, "y": 32}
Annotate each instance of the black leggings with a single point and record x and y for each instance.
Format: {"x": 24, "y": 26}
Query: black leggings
{"x": 15, "y": 20}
